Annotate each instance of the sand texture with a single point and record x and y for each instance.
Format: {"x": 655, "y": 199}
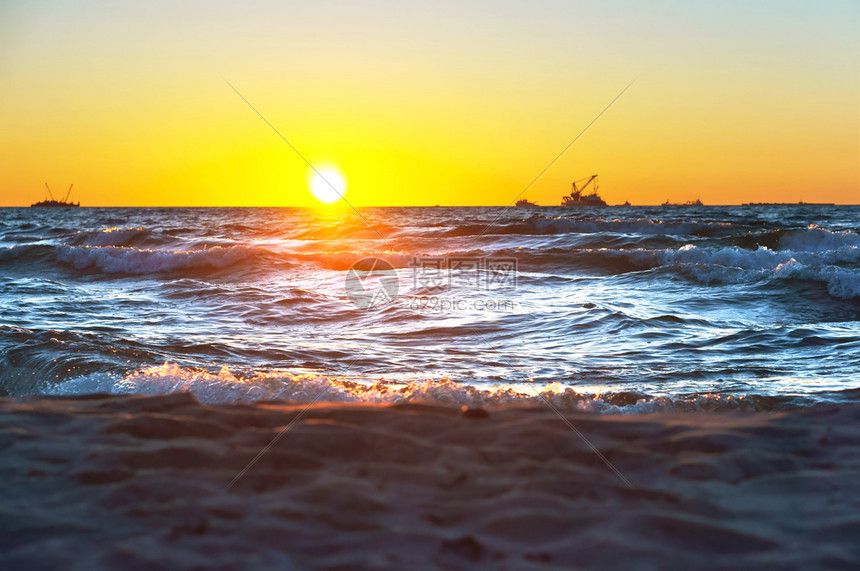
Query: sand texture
{"x": 139, "y": 482}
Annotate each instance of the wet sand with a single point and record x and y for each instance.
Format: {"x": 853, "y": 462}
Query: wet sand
{"x": 135, "y": 482}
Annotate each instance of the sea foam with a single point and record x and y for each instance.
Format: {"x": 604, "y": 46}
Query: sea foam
{"x": 227, "y": 387}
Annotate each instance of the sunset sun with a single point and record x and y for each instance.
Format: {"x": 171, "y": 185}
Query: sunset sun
{"x": 328, "y": 185}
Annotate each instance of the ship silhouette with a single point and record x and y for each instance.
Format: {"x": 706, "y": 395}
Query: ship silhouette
{"x": 576, "y": 198}
{"x": 52, "y": 203}
{"x": 696, "y": 202}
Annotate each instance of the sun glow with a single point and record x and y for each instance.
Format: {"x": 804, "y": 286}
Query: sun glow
{"x": 328, "y": 185}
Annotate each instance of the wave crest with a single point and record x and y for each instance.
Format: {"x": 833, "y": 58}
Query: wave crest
{"x": 115, "y": 259}
{"x": 817, "y": 239}
{"x": 735, "y": 265}
{"x": 226, "y": 387}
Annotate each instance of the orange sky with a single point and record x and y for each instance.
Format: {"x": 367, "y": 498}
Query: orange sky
{"x": 433, "y": 103}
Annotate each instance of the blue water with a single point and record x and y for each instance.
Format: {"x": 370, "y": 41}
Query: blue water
{"x": 633, "y": 308}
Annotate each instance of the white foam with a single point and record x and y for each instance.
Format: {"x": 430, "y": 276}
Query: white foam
{"x": 841, "y": 282}
{"x": 738, "y": 265}
{"x": 225, "y": 387}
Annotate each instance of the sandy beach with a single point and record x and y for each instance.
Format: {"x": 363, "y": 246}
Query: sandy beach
{"x": 141, "y": 482}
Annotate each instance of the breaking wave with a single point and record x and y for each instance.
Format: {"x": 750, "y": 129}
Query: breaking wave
{"x": 137, "y": 261}
{"x": 736, "y": 265}
{"x": 226, "y": 387}
{"x": 113, "y": 259}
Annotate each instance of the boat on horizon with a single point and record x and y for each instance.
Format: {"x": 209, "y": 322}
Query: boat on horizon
{"x": 576, "y": 198}
{"x": 524, "y": 202}
{"x": 52, "y": 203}
{"x": 696, "y": 202}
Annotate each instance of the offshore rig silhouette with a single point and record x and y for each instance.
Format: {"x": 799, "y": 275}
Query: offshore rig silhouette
{"x": 52, "y": 203}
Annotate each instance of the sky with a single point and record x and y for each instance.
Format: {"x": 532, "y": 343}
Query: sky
{"x": 424, "y": 103}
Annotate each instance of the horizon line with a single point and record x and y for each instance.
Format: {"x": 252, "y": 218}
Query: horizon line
{"x": 324, "y": 206}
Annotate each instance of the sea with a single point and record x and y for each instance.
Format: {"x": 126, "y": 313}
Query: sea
{"x": 617, "y": 309}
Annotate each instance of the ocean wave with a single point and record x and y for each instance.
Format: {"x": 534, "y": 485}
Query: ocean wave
{"x": 633, "y": 226}
{"x": 114, "y": 259}
{"x": 27, "y": 252}
{"x": 836, "y": 268}
{"x": 360, "y": 260}
{"x": 562, "y": 225}
{"x": 760, "y": 259}
{"x": 226, "y": 387}
{"x": 114, "y": 236}
{"x": 735, "y": 265}
{"x": 841, "y": 282}
{"x": 810, "y": 239}
{"x": 135, "y": 261}
{"x": 708, "y": 265}
{"x": 127, "y": 260}
{"x": 817, "y": 239}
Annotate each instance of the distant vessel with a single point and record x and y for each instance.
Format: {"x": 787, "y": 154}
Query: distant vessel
{"x": 626, "y": 203}
{"x": 64, "y": 203}
{"x": 576, "y": 198}
{"x": 696, "y": 202}
{"x": 800, "y": 203}
{"x": 524, "y": 202}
